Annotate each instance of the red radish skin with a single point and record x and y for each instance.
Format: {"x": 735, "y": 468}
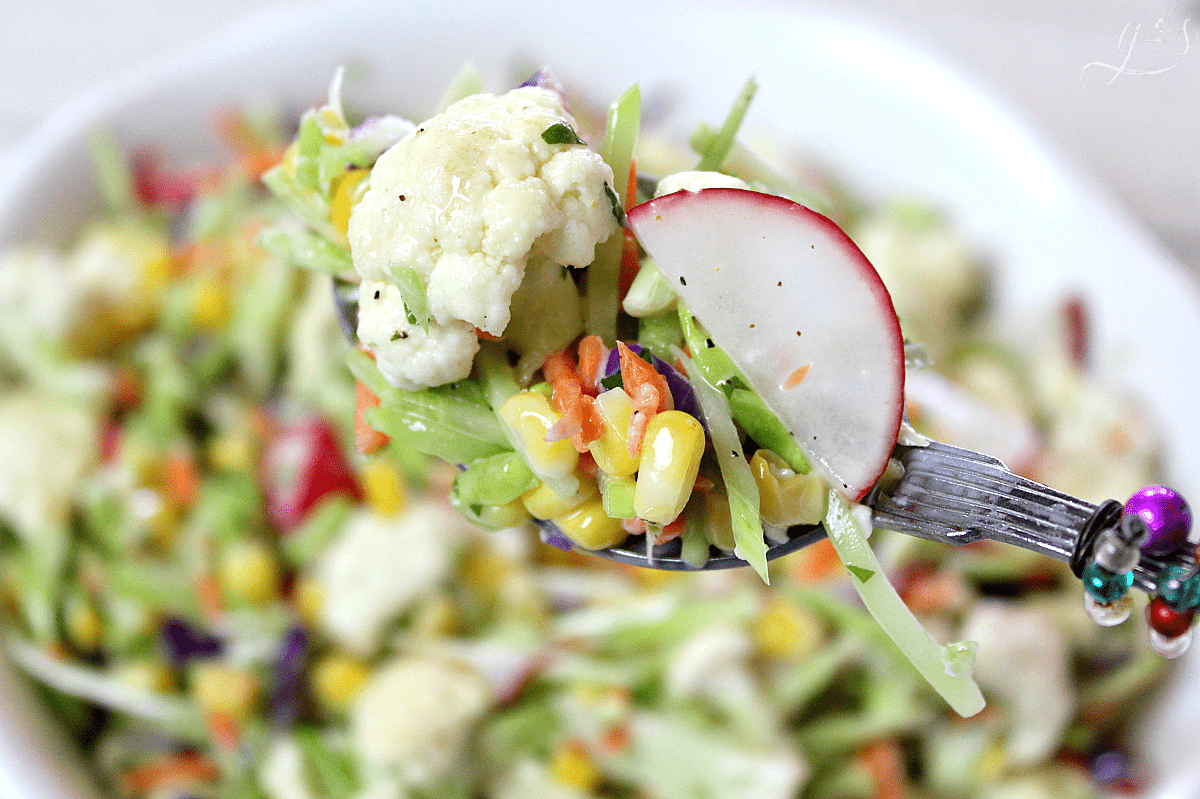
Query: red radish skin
{"x": 778, "y": 287}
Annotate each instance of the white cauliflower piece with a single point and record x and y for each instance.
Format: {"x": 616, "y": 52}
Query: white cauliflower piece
{"x": 1024, "y": 660}
{"x": 695, "y": 180}
{"x": 413, "y": 718}
{"x": 379, "y": 566}
{"x": 283, "y": 771}
{"x": 410, "y": 356}
{"x": 49, "y": 445}
{"x": 462, "y": 203}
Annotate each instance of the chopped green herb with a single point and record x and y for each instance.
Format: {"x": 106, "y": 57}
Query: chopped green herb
{"x": 615, "y": 203}
{"x": 862, "y": 574}
{"x": 561, "y": 133}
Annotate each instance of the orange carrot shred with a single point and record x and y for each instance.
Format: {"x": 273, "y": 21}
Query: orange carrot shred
{"x": 223, "y": 730}
{"x": 182, "y": 478}
{"x": 591, "y": 352}
{"x": 672, "y": 529}
{"x": 208, "y": 593}
{"x": 168, "y": 770}
{"x": 886, "y": 766}
{"x": 796, "y": 377}
{"x": 367, "y": 440}
{"x": 816, "y": 562}
{"x": 631, "y": 186}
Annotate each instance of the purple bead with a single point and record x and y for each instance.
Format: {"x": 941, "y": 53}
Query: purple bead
{"x": 1167, "y": 516}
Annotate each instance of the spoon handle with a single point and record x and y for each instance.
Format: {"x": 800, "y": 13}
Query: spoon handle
{"x": 956, "y": 496}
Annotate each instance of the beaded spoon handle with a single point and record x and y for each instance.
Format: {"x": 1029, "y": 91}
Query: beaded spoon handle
{"x": 956, "y": 496}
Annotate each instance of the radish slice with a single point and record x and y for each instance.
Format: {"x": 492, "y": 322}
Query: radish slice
{"x": 799, "y": 310}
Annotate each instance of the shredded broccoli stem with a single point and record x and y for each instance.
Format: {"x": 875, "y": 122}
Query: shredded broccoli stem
{"x": 735, "y": 471}
{"x": 620, "y": 136}
{"x": 718, "y": 148}
{"x": 946, "y": 669}
{"x": 112, "y": 172}
{"x": 466, "y": 82}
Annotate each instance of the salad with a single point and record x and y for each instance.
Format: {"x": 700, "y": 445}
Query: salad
{"x": 231, "y": 584}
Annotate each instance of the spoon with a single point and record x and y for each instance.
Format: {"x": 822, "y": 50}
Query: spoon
{"x": 945, "y": 494}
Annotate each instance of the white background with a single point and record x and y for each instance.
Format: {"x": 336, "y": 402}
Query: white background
{"x": 1137, "y": 133}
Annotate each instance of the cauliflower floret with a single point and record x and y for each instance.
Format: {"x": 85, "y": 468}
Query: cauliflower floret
{"x": 1024, "y": 660}
{"x": 282, "y": 773}
{"x": 462, "y": 203}
{"x": 413, "y": 718}
{"x": 409, "y": 355}
{"x": 378, "y": 566}
{"x": 696, "y": 180}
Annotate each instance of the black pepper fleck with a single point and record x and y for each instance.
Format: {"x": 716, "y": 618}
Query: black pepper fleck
{"x": 751, "y": 325}
{"x": 682, "y": 282}
{"x": 708, "y": 342}
{"x": 780, "y": 283}
{"x": 734, "y": 452}
{"x": 402, "y": 198}
{"x": 376, "y": 294}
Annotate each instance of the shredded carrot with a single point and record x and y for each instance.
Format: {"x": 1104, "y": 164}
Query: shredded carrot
{"x": 634, "y": 526}
{"x": 208, "y": 593}
{"x": 886, "y": 766}
{"x": 672, "y": 529}
{"x": 631, "y": 185}
{"x": 615, "y": 739}
{"x": 703, "y": 484}
{"x": 182, "y": 478}
{"x": 591, "y": 353}
{"x": 367, "y": 440}
{"x": 168, "y": 770}
{"x": 587, "y": 465}
{"x": 223, "y": 730}
{"x": 649, "y": 392}
{"x": 928, "y": 591}
{"x": 796, "y": 377}
{"x": 581, "y": 420}
{"x": 486, "y": 336}
{"x": 816, "y": 562}
{"x": 127, "y": 389}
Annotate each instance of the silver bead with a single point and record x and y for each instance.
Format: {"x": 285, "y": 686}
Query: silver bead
{"x": 1114, "y": 554}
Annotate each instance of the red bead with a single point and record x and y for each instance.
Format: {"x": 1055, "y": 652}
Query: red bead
{"x": 1166, "y": 620}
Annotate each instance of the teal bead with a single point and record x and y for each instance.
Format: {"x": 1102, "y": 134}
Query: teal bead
{"x": 1176, "y": 591}
{"x": 1103, "y": 585}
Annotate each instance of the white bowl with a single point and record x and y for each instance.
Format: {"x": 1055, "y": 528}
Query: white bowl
{"x": 888, "y": 118}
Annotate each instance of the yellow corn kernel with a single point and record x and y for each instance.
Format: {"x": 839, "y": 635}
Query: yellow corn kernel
{"x": 611, "y": 450}
{"x": 154, "y": 676}
{"x": 435, "y": 616}
{"x": 571, "y": 766}
{"x": 337, "y": 679}
{"x": 220, "y": 688}
{"x": 785, "y": 630}
{"x": 718, "y": 521}
{"x": 529, "y": 416}
{"x": 484, "y": 569}
{"x": 590, "y": 527}
{"x": 347, "y": 190}
{"x": 210, "y": 304}
{"x": 231, "y": 452}
{"x": 670, "y": 461}
{"x": 786, "y": 498}
{"x": 249, "y": 572}
{"x": 308, "y": 598}
{"x": 383, "y": 487}
{"x": 84, "y": 627}
{"x": 544, "y": 502}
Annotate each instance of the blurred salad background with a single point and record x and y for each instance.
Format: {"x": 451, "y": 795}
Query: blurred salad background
{"x": 575, "y": 694}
